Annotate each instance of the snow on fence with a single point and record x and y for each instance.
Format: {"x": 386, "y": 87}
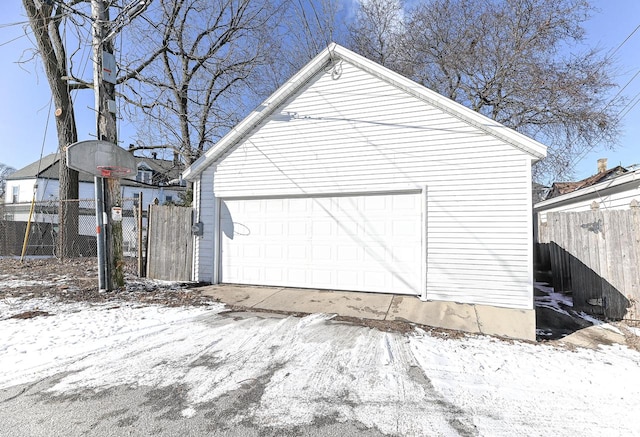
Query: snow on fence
{"x": 596, "y": 256}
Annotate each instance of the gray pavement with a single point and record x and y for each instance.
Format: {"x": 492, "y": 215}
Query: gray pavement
{"x": 31, "y": 411}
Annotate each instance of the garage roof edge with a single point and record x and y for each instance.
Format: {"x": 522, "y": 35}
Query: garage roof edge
{"x": 528, "y": 145}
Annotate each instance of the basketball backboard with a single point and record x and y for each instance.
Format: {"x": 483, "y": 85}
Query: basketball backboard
{"x": 101, "y": 158}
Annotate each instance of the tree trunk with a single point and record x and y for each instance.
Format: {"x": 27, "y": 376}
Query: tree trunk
{"x": 44, "y": 24}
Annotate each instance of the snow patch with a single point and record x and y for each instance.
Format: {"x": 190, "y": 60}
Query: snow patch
{"x": 20, "y": 283}
{"x": 188, "y": 412}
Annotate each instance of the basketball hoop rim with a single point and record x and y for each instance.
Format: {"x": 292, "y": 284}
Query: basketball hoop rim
{"x": 112, "y": 171}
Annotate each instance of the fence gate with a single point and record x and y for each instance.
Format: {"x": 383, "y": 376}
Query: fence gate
{"x": 169, "y": 243}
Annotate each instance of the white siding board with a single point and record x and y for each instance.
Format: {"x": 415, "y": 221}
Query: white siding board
{"x": 359, "y": 134}
{"x": 617, "y": 200}
{"x": 204, "y": 245}
{"x": 353, "y": 159}
{"x": 331, "y": 180}
{"x": 25, "y": 190}
{"x": 197, "y": 205}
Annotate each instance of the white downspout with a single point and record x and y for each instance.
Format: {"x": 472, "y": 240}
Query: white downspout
{"x": 424, "y": 245}
{"x": 217, "y": 259}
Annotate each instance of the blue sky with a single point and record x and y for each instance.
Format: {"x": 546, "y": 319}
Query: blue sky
{"x": 25, "y": 95}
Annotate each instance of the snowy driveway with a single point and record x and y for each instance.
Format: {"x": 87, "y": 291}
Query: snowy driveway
{"x": 132, "y": 369}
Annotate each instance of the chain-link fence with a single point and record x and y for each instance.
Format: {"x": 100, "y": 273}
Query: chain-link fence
{"x": 42, "y": 235}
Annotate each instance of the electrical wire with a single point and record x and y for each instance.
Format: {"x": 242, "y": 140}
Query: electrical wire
{"x": 25, "y": 35}
{"x": 35, "y": 186}
{"x": 620, "y": 114}
{"x": 610, "y": 55}
{"x": 15, "y": 23}
{"x": 629, "y": 106}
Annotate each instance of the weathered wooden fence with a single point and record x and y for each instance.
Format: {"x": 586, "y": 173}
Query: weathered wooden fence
{"x": 596, "y": 256}
{"x": 169, "y": 243}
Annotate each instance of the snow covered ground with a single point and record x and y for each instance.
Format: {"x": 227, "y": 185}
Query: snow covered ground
{"x": 401, "y": 384}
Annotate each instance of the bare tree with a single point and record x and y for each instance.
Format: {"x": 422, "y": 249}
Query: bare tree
{"x": 376, "y": 32}
{"x": 45, "y": 19}
{"x": 189, "y": 64}
{"x": 520, "y": 62}
{"x": 307, "y": 28}
{"x": 5, "y": 172}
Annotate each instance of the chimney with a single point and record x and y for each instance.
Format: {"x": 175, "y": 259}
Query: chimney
{"x": 602, "y": 165}
{"x": 154, "y": 155}
{"x": 176, "y": 158}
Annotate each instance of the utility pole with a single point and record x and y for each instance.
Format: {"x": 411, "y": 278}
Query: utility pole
{"x": 104, "y": 78}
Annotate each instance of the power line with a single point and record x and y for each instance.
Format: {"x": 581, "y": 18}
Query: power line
{"x": 17, "y": 23}
{"x": 622, "y": 89}
{"x": 622, "y": 113}
{"x": 14, "y": 39}
{"x": 623, "y": 42}
{"x": 629, "y": 106}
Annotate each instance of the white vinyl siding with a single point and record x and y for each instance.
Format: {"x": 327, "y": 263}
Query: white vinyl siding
{"x": 358, "y": 133}
{"x": 18, "y": 191}
{"x": 621, "y": 199}
{"x": 204, "y": 203}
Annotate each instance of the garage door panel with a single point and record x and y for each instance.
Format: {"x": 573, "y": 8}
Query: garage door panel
{"x": 373, "y": 279}
{"x": 273, "y": 229}
{"x": 296, "y": 277}
{"x": 273, "y": 274}
{"x": 274, "y": 252}
{"x": 324, "y": 277}
{"x": 360, "y": 243}
{"x": 322, "y": 252}
{"x": 321, "y": 228}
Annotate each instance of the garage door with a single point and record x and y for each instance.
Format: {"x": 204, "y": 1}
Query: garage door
{"x": 360, "y": 243}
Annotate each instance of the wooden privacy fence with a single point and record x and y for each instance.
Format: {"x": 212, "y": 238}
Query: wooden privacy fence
{"x": 169, "y": 243}
{"x": 596, "y": 256}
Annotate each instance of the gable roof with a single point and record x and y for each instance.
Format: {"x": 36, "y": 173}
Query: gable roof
{"x": 48, "y": 168}
{"x": 41, "y": 167}
{"x": 332, "y": 54}
{"x": 560, "y": 188}
{"x": 617, "y": 178}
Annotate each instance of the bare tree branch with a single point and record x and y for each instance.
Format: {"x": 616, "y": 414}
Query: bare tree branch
{"x": 519, "y": 62}
{"x": 201, "y": 53}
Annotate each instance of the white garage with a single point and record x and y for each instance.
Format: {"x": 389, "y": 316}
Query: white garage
{"x": 350, "y": 242}
{"x": 352, "y": 177}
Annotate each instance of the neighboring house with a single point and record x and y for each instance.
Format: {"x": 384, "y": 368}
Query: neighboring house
{"x": 613, "y": 188}
{"x": 593, "y": 255}
{"x": 540, "y": 192}
{"x": 155, "y": 179}
{"x": 352, "y": 177}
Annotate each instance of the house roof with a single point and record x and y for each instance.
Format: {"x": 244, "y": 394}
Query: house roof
{"x": 560, "y": 188}
{"x": 332, "y": 53}
{"x": 618, "y": 178}
{"x": 41, "y": 167}
{"x": 48, "y": 168}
